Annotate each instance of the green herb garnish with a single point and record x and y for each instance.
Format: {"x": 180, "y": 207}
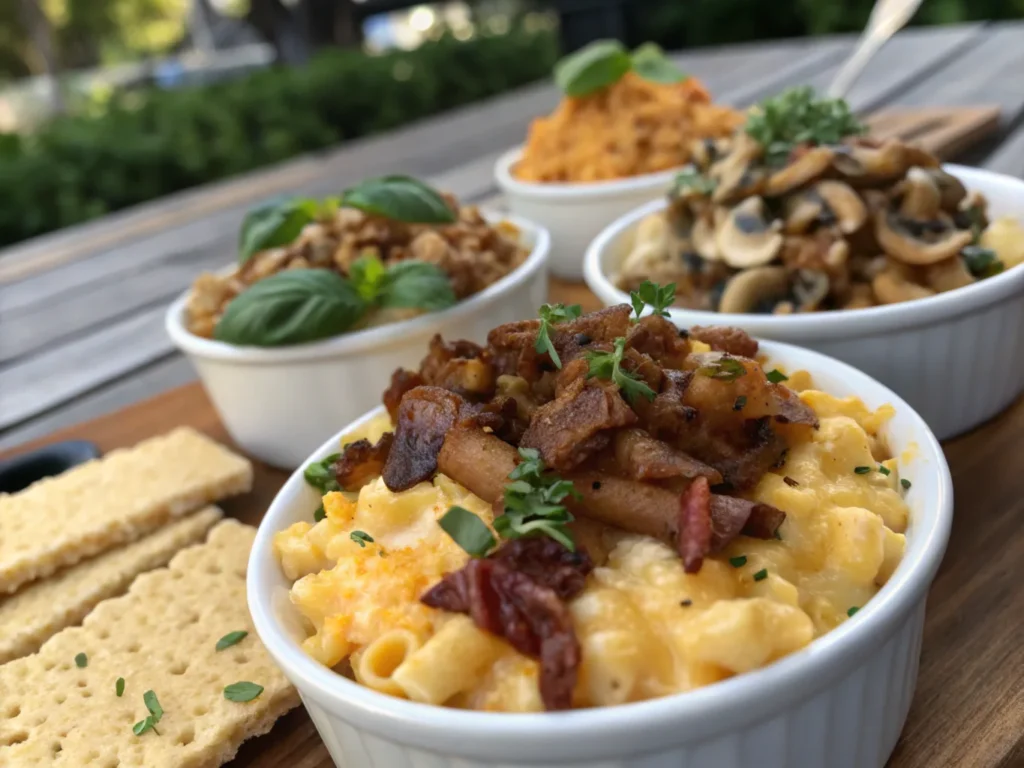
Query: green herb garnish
{"x": 155, "y": 713}
{"x": 981, "y": 262}
{"x": 400, "y": 198}
{"x": 242, "y": 692}
{"x": 775, "y": 376}
{"x": 81, "y": 660}
{"x": 319, "y": 513}
{"x": 320, "y": 474}
{"x": 361, "y": 538}
{"x": 738, "y": 562}
{"x": 119, "y": 687}
{"x": 655, "y": 296}
{"x": 553, "y": 314}
{"x": 608, "y": 365}
{"x": 740, "y": 402}
{"x": 689, "y": 179}
{"x": 884, "y": 470}
{"x": 853, "y": 609}
{"x": 861, "y": 470}
{"x": 367, "y": 274}
{"x": 534, "y": 502}
{"x": 274, "y": 224}
{"x": 231, "y": 638}
{"x": 468, "y": 531}
{"x": 723, "y": 369}
{"x": 905, "y": 483}
{"x": 650, "y": 62}
{"x": 797, "y": 116}
{"x": 761, "y": 575}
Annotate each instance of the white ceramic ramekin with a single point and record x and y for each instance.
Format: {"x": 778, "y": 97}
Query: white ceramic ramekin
{"x": 574, "y": 214}
{"x": 958, "y": 357}
{"x": 839, "y": 703}
{"x": 278, "y": 404}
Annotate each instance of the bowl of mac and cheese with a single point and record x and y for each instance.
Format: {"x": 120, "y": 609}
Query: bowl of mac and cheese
{"x": 423, "y": 621}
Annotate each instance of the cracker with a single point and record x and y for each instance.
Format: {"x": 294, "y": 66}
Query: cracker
{"x": 161, "y": 636}
{"x": 61, "y": 520}
{"x": 42, "y": 608}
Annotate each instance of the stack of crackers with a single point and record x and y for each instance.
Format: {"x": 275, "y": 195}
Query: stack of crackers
{"x": 169, "y": 674}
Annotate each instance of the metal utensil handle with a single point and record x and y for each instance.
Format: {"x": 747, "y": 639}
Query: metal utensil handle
{"x": 887, "y": 18}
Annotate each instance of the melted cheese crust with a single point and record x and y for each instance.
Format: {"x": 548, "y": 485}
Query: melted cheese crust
{"x": 646, "y": 628}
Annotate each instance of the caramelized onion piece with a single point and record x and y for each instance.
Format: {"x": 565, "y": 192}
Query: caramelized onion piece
{"x": 424, "y": 417}
{"x": 362, "y": 461}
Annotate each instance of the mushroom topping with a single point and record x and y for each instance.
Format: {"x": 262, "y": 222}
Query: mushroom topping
{"x": 951, "y": 191}
{"x": 809, "y": 166}
{"x": 745, "y": 238}
{"x": 736, "y": 175}
{"x": 948, "y": 275}
{"x": 652, "y": 246}
{"x": 845, "y": 204}
{"x": 810, "y": 288}
{"x": 704, "y": 152}
{"x": 804, "y": 211}
{"x": 861, "y": 163}
{"x": 921, "y": 196}
{"x": 918, "y": 242}
{"x": 891, "y": 287}
{"x": 703, "y": 238}
{"x": 755, "y": 290}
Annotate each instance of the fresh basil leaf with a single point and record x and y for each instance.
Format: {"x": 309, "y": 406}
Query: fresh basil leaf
{"x": 231, "y": 638}
{"x": 291, "y": 307}
{"x": 242, "y": 691}
{"x": 651, "y": 63}
{"x": 592, "y": 68}
{"x": 401, "y": 198}
{"x": 320, "y": 474}
{"x": 368, "y": 275}
{"x": 468, "y": 531}
{"x": 274, "y": 224}
{"x": 417, "y": 285}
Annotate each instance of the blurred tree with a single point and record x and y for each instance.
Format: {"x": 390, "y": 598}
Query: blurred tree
{"x": 38, "y": 27}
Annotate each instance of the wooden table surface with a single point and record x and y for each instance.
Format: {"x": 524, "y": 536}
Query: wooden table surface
{"x": 81, "y": 310}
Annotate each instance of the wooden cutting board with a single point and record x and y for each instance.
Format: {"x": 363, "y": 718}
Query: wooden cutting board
{"x": 943, "y": 131}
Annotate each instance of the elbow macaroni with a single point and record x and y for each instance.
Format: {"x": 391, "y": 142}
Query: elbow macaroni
{"x": 646, "y": 628}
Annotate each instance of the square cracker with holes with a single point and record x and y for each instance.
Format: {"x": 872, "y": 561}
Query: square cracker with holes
{"x": 89, "y": 509}
{"x": 161, "y": 636}
{"x": 43, "y": 608}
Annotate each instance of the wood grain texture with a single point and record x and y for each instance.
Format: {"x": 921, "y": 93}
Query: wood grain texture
{"x": 969, "y": 706}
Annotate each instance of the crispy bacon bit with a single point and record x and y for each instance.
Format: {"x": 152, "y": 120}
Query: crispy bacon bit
{"x": 518, "y": 594}
{"x": 657, "y": 337}
{"x": 731, "y": 516}
{"x": 362, "y": 461}
{"x": 642, "y": 457}
{"x": 764, "y": 521}
{"x": 459, "y": 366}
{"x": 574, "y": 425}
{"x": 731, "y": 340}
{"x": 402, "y": 381}
{"x": 694, "y": 533}
{"x": 424, "y": 417}
{"x": 790, "y": 409}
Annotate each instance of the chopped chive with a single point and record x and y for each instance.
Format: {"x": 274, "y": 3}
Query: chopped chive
{"x": 853, "y": 610}
{"x": 738, "y": 562}
{"x": 119, "y": 687}
{"x": 884, "y": 470}
{"x": 862, "y": 470}
{"x": 761, "y": 575}
{"x": 81, "y": 661}
{"x": 231, "y": 638}
{"x": 905, "y": 483}
{"x": 362, "y": 538}
{"x": 740, "y": 402}
{"x": 319, "y": 514}
{"x": 775, "y": 376}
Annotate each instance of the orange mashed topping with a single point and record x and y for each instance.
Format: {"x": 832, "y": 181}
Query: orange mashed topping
{"x": 632, "y": 127}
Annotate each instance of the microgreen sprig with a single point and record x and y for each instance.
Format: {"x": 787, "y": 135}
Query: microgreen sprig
{"x": 552, "y": 314}
{"x": 723, "y": 369}
{"x": 608, "y": 365}
{"x": 657, "y": 297}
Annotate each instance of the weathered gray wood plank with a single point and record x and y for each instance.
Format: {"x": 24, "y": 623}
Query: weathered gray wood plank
{"x": 1009, "y": 158}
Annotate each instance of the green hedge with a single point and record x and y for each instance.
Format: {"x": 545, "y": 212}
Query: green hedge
{"x": 146, "y": 145}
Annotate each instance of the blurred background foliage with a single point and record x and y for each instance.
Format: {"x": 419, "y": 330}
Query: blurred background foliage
{"x": 325, "y": 76}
